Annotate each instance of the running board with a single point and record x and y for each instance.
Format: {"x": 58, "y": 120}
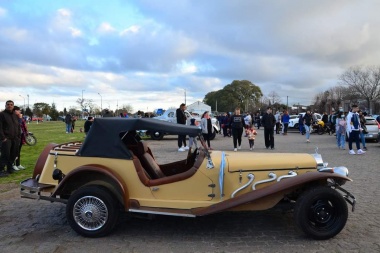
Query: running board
{"x": 162, "y": 211}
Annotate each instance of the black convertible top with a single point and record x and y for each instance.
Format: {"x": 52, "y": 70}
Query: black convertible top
{"x": 105, "y": 138}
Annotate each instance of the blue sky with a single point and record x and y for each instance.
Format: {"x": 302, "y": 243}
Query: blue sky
{"x": 147, "y": 53}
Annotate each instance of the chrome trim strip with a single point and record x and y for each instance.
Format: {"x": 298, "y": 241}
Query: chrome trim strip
{"x": 272, "y": 176}
{"x": 221, "y": 175}
{"x": 160, "y": 213}
{"x": 290, "y": 174}
{"x": 251, "y": 177}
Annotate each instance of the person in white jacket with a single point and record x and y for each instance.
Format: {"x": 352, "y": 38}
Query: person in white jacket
{"x": 353, "y": 130}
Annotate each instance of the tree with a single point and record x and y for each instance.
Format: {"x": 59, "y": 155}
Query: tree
{"x": 274, "y": 98}
{"x": 364, "y": 82}
{"x": 53, "y": 112}
{"x": 41, "y": 108}
{"x": 237, "y": 94}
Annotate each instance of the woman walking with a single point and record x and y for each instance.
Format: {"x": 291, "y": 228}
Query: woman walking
{"x": 206, "y": 126}
{"x": 237, "y": 124}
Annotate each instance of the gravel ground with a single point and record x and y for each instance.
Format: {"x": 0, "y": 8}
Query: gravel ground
{"x": 40, "y": 226}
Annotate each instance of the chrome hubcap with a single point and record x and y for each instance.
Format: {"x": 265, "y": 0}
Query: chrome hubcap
{"x": 90, "y": 213}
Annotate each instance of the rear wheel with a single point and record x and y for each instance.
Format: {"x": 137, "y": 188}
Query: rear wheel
{"x": 92, "y": 211}
{"x": 296, "y": 125}
{"x": 321, "y": 212}
{"x": 155, "y": 135}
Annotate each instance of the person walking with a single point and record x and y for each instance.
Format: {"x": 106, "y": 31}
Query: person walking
{"x": 251, "y": 134}
{"x": 300, "y": 125}
{"x": 341, "y": 126}
{"x": 181, "y": 119}
{"x": 23, "y": 133}
{"x": 225, "y": 125}
{"x": 285, "y": 121}
{"x": 237, "y": 124}
{"x": 206, "y": 127}
{"x": 307, "y": 122}
{"x": 10, "y": 132}
{"x": 258, "y": 120}
{"x": 268, "y": 122}
{"x": 353, "y": 130}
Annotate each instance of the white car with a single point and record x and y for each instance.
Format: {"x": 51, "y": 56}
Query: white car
{"x": 170, "y": 116}
{"x": 293, "y": 122}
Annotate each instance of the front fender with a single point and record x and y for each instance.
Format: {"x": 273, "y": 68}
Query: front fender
{"x": 255, "y": 195}
{"x": 94, "y": 174}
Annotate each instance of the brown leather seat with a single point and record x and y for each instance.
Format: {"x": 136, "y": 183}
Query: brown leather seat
{"x": 148, "y": 162}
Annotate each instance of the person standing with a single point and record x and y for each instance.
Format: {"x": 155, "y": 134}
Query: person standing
{"x": 237, "y": 124}
{"x": 68, "y": 121}
{"x": 277, "y": 116}
{"x": 353, "y": 130}
{"x": 285, "y": 120}
{"x": 181, "y": 119}
{"x": 258, "y": 120}
{"x": 341, "y": 125}
{"x": 88, "y": 124}
{"x": 225, "y": 125}
{"x": 307, "y": 122}
{"x": 363, "y": 129}
{"x": 268, "y": 122}
{"x": 192, "y": 139}
{"x": 23, "y": 133}
{"x": 206, "y": 127}
{"x": 10, "y": 132}
{"x": 300, "y": 124}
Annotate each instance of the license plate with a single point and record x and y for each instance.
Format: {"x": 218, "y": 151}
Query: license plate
{"x": 368, "y": 135}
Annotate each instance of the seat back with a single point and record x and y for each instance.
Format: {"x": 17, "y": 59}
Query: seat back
{"x": 148, "y": 162}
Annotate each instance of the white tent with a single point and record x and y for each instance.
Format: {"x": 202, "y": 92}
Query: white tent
{"x": 198, "y": 107}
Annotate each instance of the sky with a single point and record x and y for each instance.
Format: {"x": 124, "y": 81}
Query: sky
{"x": 157, "y": 54}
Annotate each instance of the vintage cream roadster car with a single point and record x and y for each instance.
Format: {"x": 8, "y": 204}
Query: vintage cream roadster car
{"x": 113, "y": 170}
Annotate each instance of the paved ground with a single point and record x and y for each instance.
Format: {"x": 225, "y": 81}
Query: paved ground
{"x": 40, "y": 226}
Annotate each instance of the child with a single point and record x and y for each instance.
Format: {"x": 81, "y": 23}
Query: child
{"x": 251, "y": 134}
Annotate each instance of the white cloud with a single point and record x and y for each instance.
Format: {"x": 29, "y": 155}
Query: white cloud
{"x": 106, "y": 28}
{"x": 132, "y": 29}
{"x": 3, "y": 12}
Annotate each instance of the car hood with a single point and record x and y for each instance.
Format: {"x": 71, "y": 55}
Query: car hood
{"x": 247, "y": 161}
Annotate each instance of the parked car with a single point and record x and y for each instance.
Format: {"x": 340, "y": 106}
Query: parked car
{"x": 293, "y": 122}
{"x": 170, "y": 116}
{"x": 113, "y": 170}
{"x": 372, "y": 129}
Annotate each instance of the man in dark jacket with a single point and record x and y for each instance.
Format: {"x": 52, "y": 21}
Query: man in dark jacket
{"x": 10, "y": 133}
{"x": 181, "y": 119}
{"x": 268, "y": 122}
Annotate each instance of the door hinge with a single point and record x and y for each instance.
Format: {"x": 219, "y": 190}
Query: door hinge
{"x": 211, "y": 195}
{"x": 211, "y": 185}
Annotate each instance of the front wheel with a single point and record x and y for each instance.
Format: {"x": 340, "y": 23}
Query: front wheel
{"x": 92, "y": 211}
{"x": 321, "y": 212}
{"x": 296, "y": 126}
{"x": 30, "y": 140}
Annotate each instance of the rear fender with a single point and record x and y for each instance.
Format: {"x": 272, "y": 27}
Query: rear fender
{"x": 94, "y": 174}
{"x": 284, "y": 186}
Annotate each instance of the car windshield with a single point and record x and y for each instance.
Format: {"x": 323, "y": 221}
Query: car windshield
{"x": 370, "y": 121}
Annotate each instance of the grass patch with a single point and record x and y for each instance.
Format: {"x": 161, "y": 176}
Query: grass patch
{"x": 46, "y": 132}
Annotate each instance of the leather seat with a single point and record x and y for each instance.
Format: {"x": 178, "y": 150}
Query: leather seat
{"x": 148, "y": 162}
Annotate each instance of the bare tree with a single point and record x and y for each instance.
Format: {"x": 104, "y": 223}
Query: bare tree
{"x": 364, "y": 82}
{"x": 274, "y": 98}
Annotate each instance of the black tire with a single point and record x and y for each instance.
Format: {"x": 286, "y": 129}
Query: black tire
{"x": 213, "y": 135}
{"x": 320, "y": 130}
{"x": 30, "y": 140}
{"x": 157, "y": 136}
{"x": 92, "y": 211}
{"x": 321, "y": 212}
{"x": 296, "y": 126}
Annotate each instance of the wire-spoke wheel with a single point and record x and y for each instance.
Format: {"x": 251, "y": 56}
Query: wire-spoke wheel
{"x": 321, "y": 212}
{"x": 92, "y": 211}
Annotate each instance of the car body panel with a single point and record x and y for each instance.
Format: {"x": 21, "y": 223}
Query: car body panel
{"x": 372, "y": 129}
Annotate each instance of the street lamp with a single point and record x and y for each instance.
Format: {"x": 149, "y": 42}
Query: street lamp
{"x": 101, "y": 103}
{"x": 28, "y": 100}
{"x": 24, "y": 102}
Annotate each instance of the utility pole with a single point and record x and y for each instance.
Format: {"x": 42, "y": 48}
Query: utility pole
{"x": 28, "y": 100}
{"x": 287, "y": 106}
{"x": 185, "y": 96}
{"x": 82, "y": 105}
{"x": 101, "y": 103}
